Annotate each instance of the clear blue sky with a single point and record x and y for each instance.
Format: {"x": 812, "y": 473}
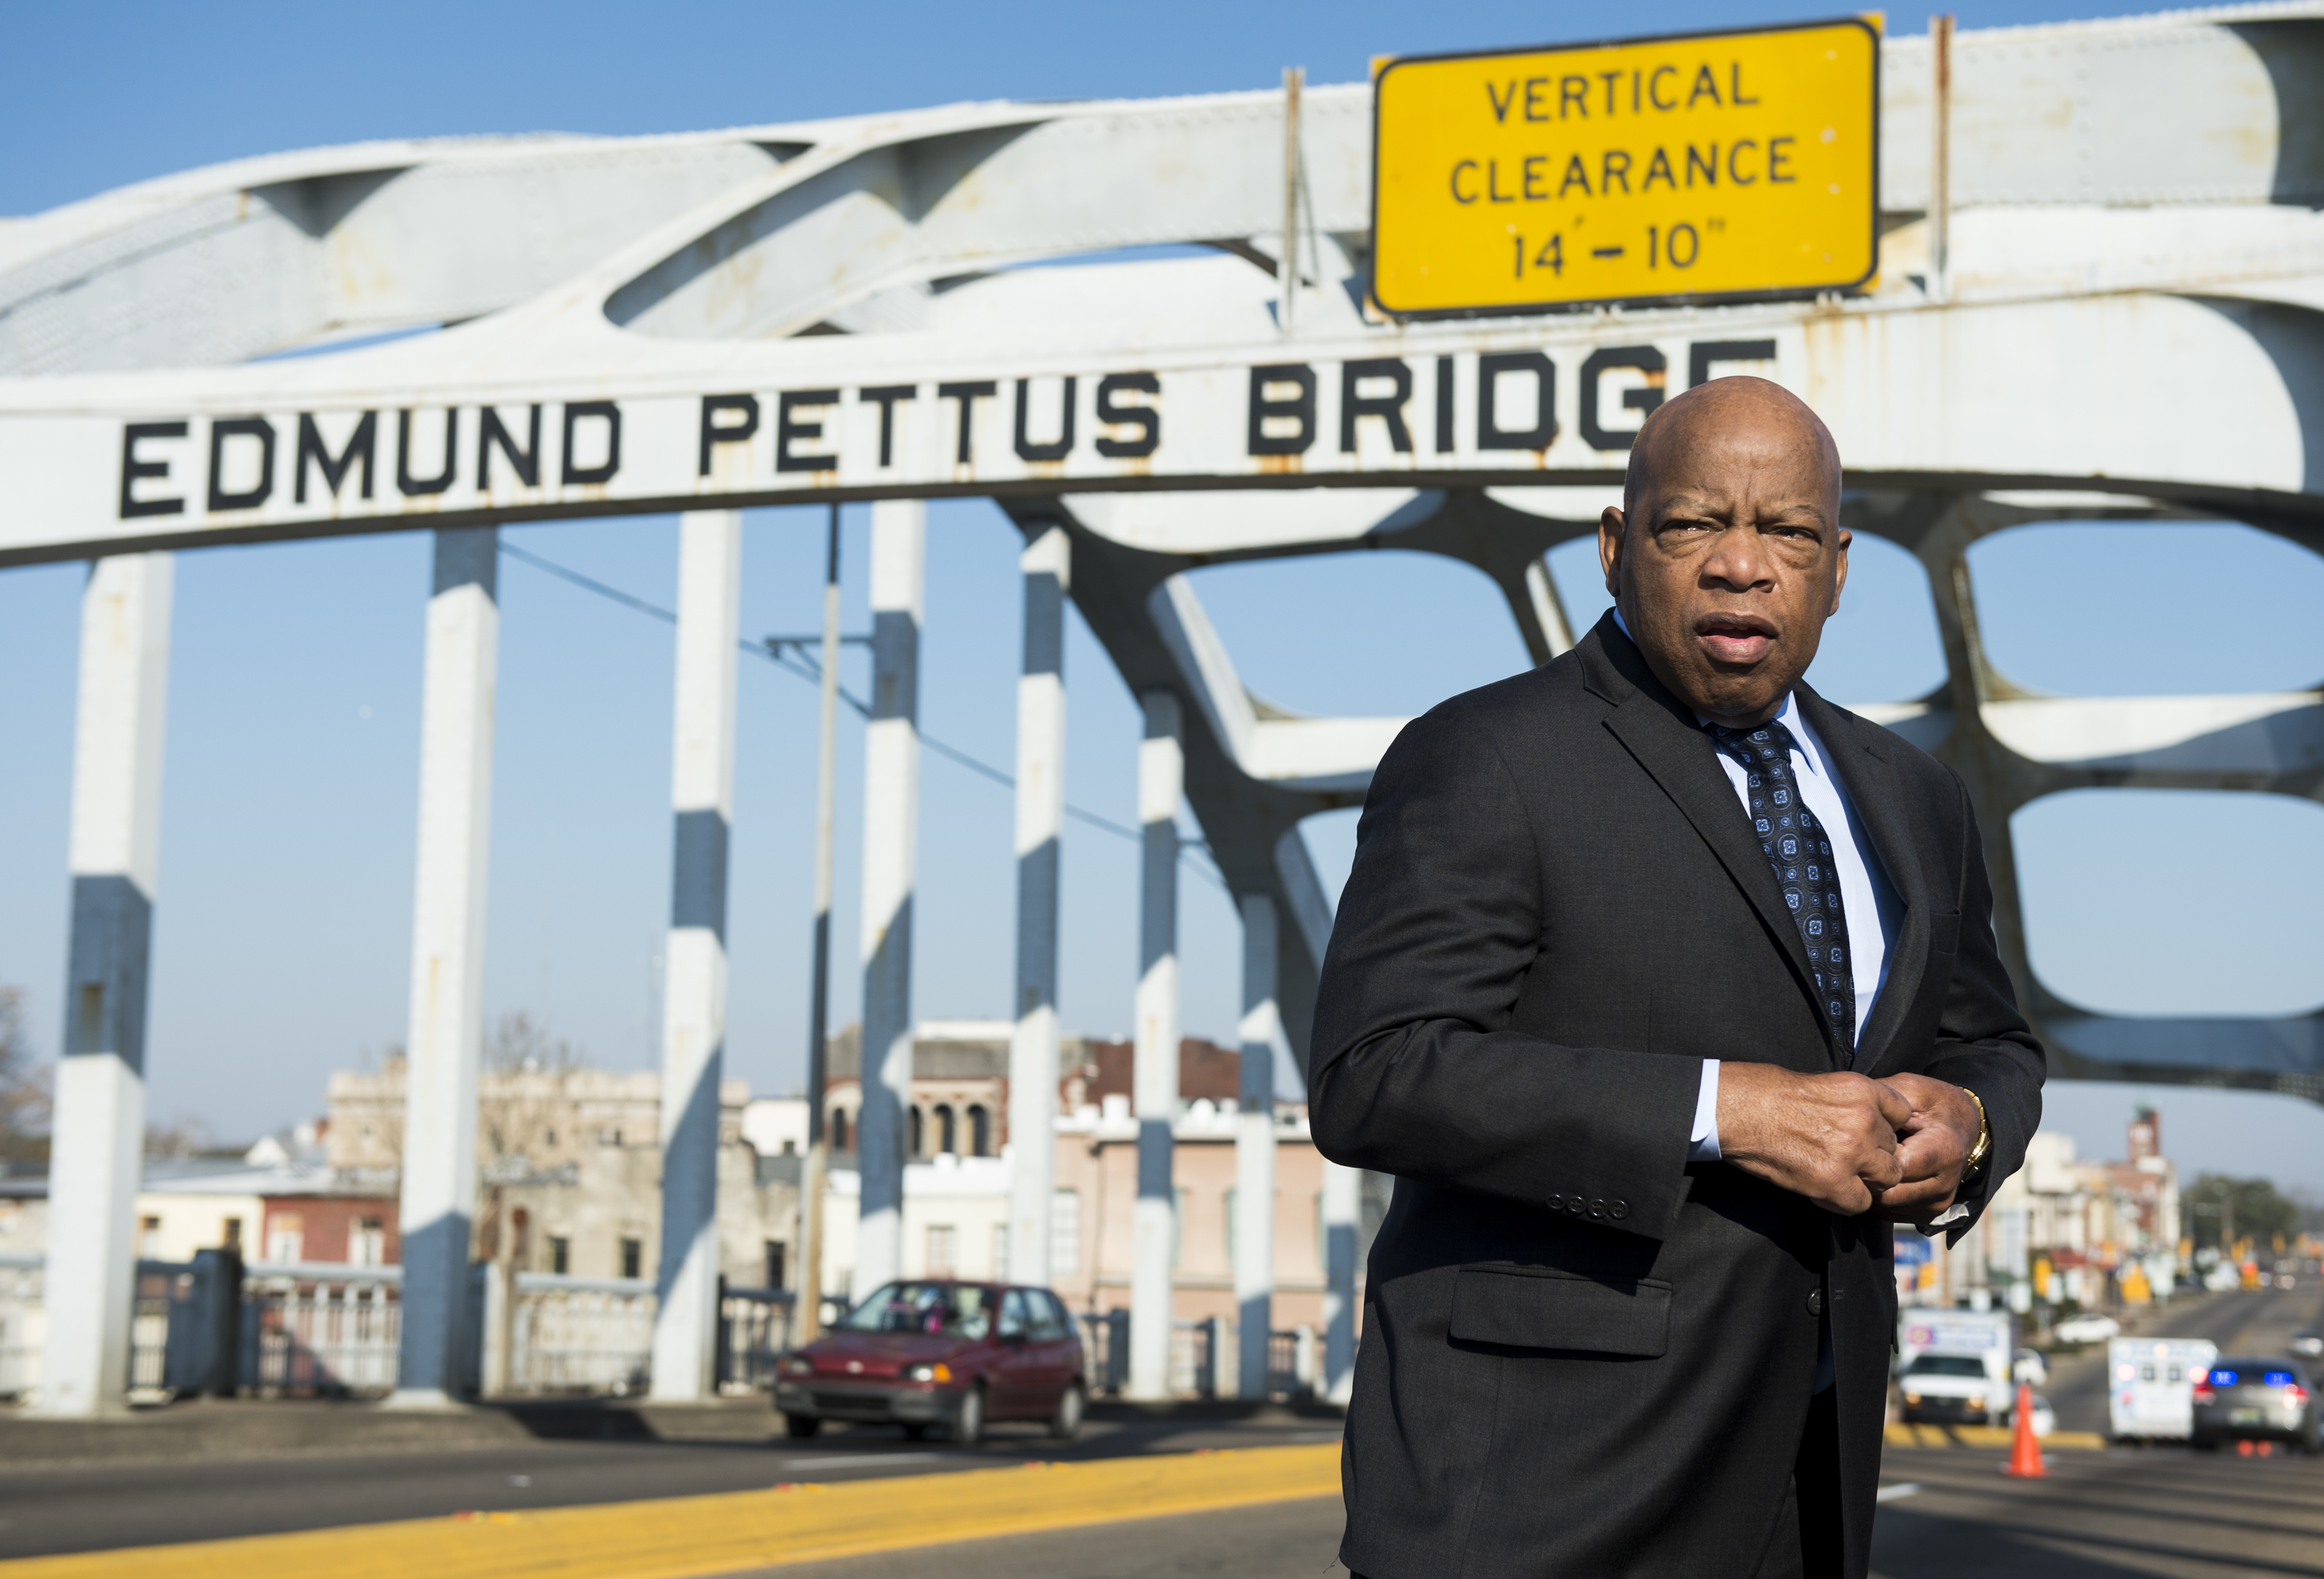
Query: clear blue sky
{"x": 282, "y": 941}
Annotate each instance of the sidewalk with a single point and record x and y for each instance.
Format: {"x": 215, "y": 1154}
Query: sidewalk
{"x": 264, "y": 1428}
{"x": 261, "y": 1428}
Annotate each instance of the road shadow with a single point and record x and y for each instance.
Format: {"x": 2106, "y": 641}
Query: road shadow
{"x": 1919, "y": 1546}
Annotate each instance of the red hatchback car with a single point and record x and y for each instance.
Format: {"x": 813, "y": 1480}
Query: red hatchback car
{"x": 936, "y": 1353}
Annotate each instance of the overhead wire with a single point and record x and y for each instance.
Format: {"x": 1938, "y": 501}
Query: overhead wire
{"x": 808, "y": 669}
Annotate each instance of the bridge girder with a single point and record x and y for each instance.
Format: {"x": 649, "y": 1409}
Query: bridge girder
{"x": 622, "y": 309}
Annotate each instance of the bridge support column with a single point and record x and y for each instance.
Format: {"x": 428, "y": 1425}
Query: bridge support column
{"x": 1343, "y": 1206}
{"x": 1040, "y": 830}
{"x": 694, "y": 997}
{"x": 447, "y": 964}
{"x": 1161, "y": 784}
{"x": 891, "y": 823}
{"x": 99, "y": 1131}
{"x": 1254, "y": 1227}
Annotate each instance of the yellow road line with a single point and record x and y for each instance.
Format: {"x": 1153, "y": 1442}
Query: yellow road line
{"x": 682, "y": 1537}
{"x": 1923, "y": 1436}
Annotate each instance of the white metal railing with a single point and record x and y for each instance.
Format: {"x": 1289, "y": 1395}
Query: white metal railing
{"x": 581, "y": 1334}
{"x": 22, "y": 1323}
{"x": 754, "y": 1328}
{"x": 1294, "y": 1362}
{"x": 1194, "y": 1357}
{"x": 1105, "y": 1349}
{"x": 319, "y": 1328}
{"x": 323, "y": 1329}
{"x": 159, "y": 1286}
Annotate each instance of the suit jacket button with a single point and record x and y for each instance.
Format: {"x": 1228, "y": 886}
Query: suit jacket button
{"x": 1815, "y": 1302}
{"x": 1597, "y": 1208}
{"x": 1618, "y": 1210}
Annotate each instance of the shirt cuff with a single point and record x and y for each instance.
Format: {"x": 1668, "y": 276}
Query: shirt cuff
{"x": 1702, "y": 1145}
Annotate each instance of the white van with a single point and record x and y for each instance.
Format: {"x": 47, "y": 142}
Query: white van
{"x": 2151, "y": 1386}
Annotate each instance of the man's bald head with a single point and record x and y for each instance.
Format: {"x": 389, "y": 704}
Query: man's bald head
{"x": 1673, "y": 428}
{"x": 1727, "y": 555}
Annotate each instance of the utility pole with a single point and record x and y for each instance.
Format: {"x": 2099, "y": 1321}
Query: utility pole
{"x": 818, "y": 1033}
{"x": 1940, "y": 156}
{"x": 1287, "y": 265}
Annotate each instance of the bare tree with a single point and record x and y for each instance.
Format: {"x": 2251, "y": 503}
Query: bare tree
{"x": 24, "y": 1091}
{"x": 525, "y": 1076}
{"x": 183, "y": 1137}
{"x": 522, "y": 1098}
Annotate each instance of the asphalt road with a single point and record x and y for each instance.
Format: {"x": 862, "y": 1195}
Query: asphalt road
{"x": 68, "y": 1509}
{"x": 2126, "y": 1513}
{"x": 2240, "y": 1324}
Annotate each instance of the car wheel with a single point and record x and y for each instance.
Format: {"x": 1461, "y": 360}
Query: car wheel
{"x": 1067, "y": 1423}
{"x": 968, "y": 1426}
{"x": 916, "y": 1433}
{"x": 801, "y": 1425}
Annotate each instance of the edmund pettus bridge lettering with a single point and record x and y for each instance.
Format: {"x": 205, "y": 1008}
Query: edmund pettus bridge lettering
{"x": 1473, "y": 410}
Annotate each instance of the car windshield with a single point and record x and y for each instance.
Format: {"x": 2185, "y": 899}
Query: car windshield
{"x": 951, "y": 1310}
{"x": 1947, "y": 1365}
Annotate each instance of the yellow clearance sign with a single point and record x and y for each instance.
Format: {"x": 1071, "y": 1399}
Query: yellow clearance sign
{"x": 1710, "y": 166}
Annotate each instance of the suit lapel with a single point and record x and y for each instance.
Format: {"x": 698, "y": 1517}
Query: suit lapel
{"x": 1877, "y": 795}
{"x": 1681, "y": 759}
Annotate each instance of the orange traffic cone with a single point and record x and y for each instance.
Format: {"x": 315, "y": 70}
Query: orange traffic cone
{"x": 2025, "y": 1450}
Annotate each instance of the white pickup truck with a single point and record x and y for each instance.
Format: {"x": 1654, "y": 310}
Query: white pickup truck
{"x": 1954, "y": 1365}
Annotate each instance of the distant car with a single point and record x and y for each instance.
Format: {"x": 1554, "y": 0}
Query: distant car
{"x": 2253, "y": 1397}
{"x": 2086, "y": 1329}
{"x": 2308, "y": 1343}
{"x": 933, "y": 1352}
{"x": 1952, "y": 1388}
{"x": 2030, "y": 1368}
{"x": 2045, "y": 1419}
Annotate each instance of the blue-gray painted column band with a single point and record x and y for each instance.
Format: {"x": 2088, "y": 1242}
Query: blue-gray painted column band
{"x": 698, "y": 869}
{"x": 108, "y": 966}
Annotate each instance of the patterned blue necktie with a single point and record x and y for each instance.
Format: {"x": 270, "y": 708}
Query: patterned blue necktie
{"x": 1799, "y": 850}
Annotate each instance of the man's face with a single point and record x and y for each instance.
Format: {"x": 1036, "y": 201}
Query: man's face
{"x": 1730, "y": 556}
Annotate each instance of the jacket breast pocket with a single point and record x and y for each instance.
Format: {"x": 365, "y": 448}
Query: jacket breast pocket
{"x": 1944, "y": 932}
{"x": 1543, "y": 1308}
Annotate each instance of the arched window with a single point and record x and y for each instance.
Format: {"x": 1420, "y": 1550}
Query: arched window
{"x": 839, "y": 1129}
{"x": 919, "y": 1133}
{"x": 980, "y": 1131}
{"x": 947, "y": 1130}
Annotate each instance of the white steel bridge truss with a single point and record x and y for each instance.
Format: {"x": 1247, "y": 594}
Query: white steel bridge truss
{"x": 2132, "y": 326}
{"x": 2128, "y": 325}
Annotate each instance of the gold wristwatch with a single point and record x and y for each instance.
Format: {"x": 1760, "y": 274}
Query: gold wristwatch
{"x": 1976, "y": 1158}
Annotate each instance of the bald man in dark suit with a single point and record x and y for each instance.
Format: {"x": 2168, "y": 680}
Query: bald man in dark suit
{"x": 1664, "y": 987}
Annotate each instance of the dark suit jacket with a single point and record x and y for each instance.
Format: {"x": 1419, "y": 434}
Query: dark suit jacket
{"x": 1583, "y": 1356}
